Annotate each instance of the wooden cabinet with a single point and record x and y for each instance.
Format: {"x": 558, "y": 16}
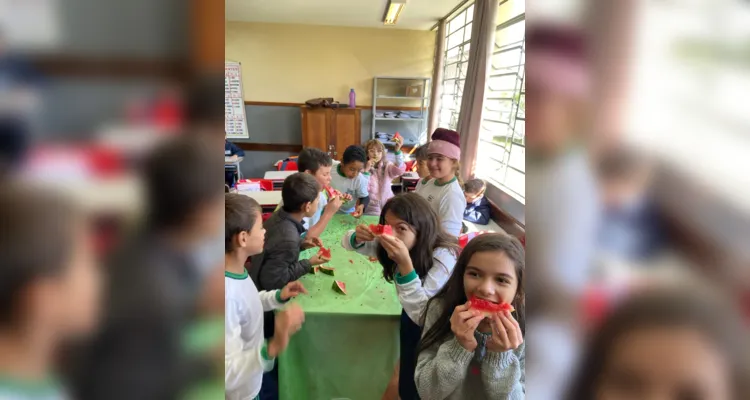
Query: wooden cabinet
{"x": 331, "y": 130}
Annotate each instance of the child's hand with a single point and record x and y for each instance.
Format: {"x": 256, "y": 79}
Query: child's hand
{"x": 399, "y": 143}
{"x": 506, "y": 333}
{"x": 363, "y": 234}
{"x": 292, "y": 289}
{"x": 310, "y": 242}
{"x": 368, "y": 166}
{"x": 288, "y": 322}
{"x": 359, "y": 211}
{"x": 463, "y": 324}
{"x": 334, "y": 204}
{"x": 318, "y": 259}
{"x": 396, "y": 249}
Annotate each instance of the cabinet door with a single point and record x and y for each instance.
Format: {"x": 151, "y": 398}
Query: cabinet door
{"x": 347, "y": 130}
{"x": 315, "y": 132}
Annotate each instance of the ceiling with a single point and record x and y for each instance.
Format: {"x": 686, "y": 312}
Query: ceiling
{"x": 417, "y": 14}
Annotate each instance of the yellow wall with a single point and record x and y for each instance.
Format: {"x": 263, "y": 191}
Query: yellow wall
{"x": 294, "y": 63}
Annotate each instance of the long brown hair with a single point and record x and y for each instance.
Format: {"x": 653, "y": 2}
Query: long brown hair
{"x": 416, "y": 211}
{"x": 453, "y": 294}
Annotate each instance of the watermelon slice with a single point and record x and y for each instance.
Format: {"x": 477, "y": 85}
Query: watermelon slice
{"x": 325, "y": 253}
{"x": 314, "y": 270}
{"x": 398, "y": 137}
{"x": 487, "y": 307}
{"x": 326, "y": 270}
{"x": 339, "y": 287}
{"x": 331, "y": 191}
{"x": 373, "y": 259}
{"x": 381, "y": 229}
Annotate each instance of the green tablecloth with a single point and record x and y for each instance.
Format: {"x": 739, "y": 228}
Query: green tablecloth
{"x": 203, "y": 337}
{"x": 348, "y": 346}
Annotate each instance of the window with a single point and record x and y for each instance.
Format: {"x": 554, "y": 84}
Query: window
{"x": 457, "y": 44}
{"x": 501, "y": 159}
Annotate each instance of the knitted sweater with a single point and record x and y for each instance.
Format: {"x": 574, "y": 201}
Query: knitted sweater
{"x": 448, "y": 371}
{"x": 381, "y": 177}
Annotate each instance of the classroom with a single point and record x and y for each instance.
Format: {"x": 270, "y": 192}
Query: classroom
{"x": 366, "y": 75}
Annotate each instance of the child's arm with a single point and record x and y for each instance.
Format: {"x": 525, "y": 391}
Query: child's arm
{"x": 330, "y": 209}
{"x": 502, "y": 374}
{"x": 413, "y": 294}
{"x": 397, "y": 169}
{"x": 441, "y": 369}
{"x": 350, "y": 243}
{"x": 241, "y": 364}
{"x": 236, "y": 150}
{"x": 452, "y": 207}
{"x": 271, "y": 299}
{"x": 283, "y": 265}
{"x": 362, "y": 194}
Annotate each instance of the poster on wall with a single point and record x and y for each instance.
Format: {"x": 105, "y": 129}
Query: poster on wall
{"x": 235, "y": 124}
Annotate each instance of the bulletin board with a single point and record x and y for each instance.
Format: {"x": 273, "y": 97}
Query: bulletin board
{"x": 235, "y": 122}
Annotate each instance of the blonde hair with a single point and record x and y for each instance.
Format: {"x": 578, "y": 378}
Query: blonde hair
{"x": 457, "y": 165}
{"x": 376, "y": 143}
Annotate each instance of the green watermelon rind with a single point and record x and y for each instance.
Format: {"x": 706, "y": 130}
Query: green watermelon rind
{"x": 336, "y": 288}
{"x": 327, "y": 270}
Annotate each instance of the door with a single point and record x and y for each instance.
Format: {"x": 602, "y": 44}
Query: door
{"x": 315, "y": 132}
{"x": 347, "y": 130}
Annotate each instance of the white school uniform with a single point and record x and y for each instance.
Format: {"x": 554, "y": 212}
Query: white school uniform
{"x": 246, "y": 354}
{"x": 412, "y": 292}
{"x": 356, "y": 187}
{"x": 447, "y": 200}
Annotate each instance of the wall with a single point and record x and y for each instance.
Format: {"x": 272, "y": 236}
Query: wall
{"x": 284, "y": 63}
{"x": 294, "y": 63}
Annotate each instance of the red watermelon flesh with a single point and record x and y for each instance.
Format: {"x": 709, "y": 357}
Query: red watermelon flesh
{"x": 487, "y": 307}
{"x": 373, "y": 259}
{"x": 381, "y": 229}
{"x": 326, "y": 270}
{"x": 397, "y": 136}
{"x": 325, "y": 253}
{"x": 339, "y": 287}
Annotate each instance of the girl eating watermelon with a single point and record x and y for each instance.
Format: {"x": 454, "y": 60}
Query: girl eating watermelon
{"x": 418, "y": 256}
{"x": 472, "y": 345}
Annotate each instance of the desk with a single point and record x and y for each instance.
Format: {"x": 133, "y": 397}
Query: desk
{"x": 277, "y": 177}
{"x": 349, "y": 344}
{"x": 234, "y": 163}
{"x": 265, "y": 199}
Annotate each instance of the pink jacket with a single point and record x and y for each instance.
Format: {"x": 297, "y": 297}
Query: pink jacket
{"x": 381, "y": 177}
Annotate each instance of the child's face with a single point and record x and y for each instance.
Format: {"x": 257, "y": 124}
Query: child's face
{"x": 665, "y": 363}
{"x": 352, "y": 169}
{"x": 440, "y": 166}
{"x": 556, "y": 121}
{"x": 491, "y": 275}
{"x": 73, "y": 299}
{"x": 375, "y": 154}
{"x": 401, "y": 229}
{"x": 323, "y": 176}
{"x": 312, "y": 207}
{"x": 472, "y": 197}
{"x": 252, "y": 242}
{"x": 423, "y": 170}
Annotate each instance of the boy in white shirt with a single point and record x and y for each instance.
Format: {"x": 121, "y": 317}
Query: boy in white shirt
{"x": 247, "y": 354}
{"x": 348, "y": 178}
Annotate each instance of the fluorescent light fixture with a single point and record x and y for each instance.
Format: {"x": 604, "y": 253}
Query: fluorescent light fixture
{"x": 393, "y": 11}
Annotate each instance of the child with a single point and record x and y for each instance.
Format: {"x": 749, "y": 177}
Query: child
{"x": 421, "y": 155}
{"x": 349, "y": 179}
{"x": 419, "y": 257}
{"x": 382, "y": 172}
{"x": 318, "y": 164}
{"x": 668, "y": 344}
{"x": 443, "y": 188}
{"x": 49, "y": 288}
{"x": 477, "y": 206}
{"x": 465, "y": 354}
{"x": 279, "y": 263}
{"x": 247, "y": 354}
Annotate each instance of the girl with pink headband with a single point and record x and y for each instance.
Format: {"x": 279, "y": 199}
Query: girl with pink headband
{"x": 442, "y": 188}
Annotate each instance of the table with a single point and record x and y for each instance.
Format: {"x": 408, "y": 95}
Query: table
{"x": 236, "y": 164}
{"x": 265, "y": 198}
{"x": 349, "y": 344}
{"x": 202, "y": 337}
{"x": 277, "y": 177}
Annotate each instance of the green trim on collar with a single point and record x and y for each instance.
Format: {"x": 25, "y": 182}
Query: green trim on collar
{"x": 338, "y": 169}
{"x": 366, "y": 173}
{"x": 353, "y": 241}
{"x": 425, "y": 180}
{"x": 33, "y": 388}
{"x": 397, "y": 152}
{"x": 402, "y": 280}
{"x": 239, "y": 277}
{"x": 446, "y": 183}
